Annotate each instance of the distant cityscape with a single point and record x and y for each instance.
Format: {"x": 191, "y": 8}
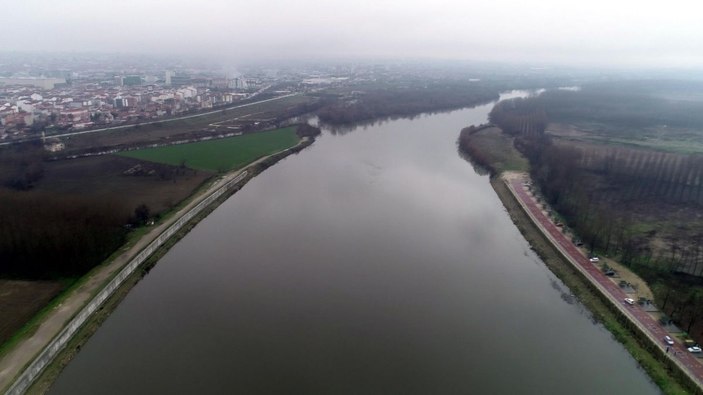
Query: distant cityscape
{"x": 41, "y": 101}
{"x": 82, "y": 100}
{"x": 45, "y": 95}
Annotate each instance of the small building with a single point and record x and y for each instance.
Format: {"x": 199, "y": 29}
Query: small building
{"x": 54, "y": 145}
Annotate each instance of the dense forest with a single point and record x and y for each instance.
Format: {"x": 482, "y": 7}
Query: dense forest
{"x": 639, "y": 205}
{"x": 46, "y": 235}
{"x": 409, "y": 100}
{"x": 305, "y": 130}
{"x": 54, "y": 236}
{"x": 22, "y": 165}
{"x": 598, "y": 188}
{"x": 627, "y": 105}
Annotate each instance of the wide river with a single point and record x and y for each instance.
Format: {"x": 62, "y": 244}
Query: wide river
{"x": 374, "y": 262}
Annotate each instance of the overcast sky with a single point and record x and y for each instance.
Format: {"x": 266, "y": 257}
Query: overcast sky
{"x": 593, "y": 32}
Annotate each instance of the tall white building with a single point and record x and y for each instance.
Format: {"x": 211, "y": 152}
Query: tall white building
{"x": 167, "y": 76}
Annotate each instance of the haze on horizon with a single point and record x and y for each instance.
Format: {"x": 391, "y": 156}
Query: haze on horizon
{"x": 595, "y": 33}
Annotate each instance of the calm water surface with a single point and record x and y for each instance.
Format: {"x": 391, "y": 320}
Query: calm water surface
{"x": 375, "y": 261}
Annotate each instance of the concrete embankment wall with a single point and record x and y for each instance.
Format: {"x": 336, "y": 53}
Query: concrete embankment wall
{"x": 47, "y": 355}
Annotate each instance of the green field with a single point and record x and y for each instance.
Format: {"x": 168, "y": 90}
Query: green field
{"x": 168, "y": 128}
{"x": 222, "y": 154}
{"x": 497, "y": 151}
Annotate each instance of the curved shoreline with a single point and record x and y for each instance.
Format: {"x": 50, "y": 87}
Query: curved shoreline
{"x": 112, "y": 282}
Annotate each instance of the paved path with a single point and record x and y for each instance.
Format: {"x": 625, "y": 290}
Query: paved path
{"x": 635, "y": 313}
{"x": 15, "y": 360}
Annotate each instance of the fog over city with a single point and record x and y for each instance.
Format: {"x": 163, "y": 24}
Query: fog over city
{"x": 609, "y": 33}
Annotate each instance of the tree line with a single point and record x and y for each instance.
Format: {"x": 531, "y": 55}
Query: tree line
{"x": 405, "y": 101}
{"x": 594, "y": 188}
{"x": 683, "y": 305}
{"x": 22, "y": 165}
{"x": 625, "y": 106}
{"x": 640, "y": 174}
{"x": 49, "y": 236}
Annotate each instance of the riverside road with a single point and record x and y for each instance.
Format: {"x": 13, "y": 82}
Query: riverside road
{"x": 678, "y": 353}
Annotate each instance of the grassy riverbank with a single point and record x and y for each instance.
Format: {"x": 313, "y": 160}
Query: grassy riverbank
{"x": 490, "y": 148}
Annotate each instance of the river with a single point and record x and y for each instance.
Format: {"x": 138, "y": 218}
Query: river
{"x": 375, "y": 261}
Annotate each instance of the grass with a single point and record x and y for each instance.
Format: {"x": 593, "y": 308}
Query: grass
{"x": 223, "y": 154}
{"x": 667, "y": 139}
{"x": 498, "y": 150}
{"x": 159, "y": 186}
{"x": 30, "y": 326}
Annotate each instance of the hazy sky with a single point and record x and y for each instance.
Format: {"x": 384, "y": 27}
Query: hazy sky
{"x": 603, "y": 32}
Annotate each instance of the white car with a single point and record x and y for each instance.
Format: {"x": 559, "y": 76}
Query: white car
{"x": 629, "y": 301}
{"x": 669, "y": 340}
{"x": 594, "y": 259}
{"x": 694, "y": 349}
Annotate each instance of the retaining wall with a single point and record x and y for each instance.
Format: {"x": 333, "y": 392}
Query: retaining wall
{"x": 27, "y": 377}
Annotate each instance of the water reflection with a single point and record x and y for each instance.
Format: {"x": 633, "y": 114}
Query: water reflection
{"x": 373, "y": 262}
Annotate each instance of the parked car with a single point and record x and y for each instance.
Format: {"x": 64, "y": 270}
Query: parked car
{"x": 610, "y": 273}
{"x": 629, "y": 301}
{"x": 694, "y": 349}
{"x": 669, "y": 340}
{"x": 594, "y": 259}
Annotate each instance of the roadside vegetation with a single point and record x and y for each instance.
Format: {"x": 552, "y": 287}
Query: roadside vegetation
{"x": 638, "y": 202}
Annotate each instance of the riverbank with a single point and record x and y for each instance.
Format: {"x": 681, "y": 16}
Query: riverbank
{"x": 333, "y": 242}
{"x": 490, "y": 149}
{"x": 662, "y": 371}
{"x": 26, "y": 350}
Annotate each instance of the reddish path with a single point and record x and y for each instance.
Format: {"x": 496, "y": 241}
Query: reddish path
{"x": 648, "y": 324}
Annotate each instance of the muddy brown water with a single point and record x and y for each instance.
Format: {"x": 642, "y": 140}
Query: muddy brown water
{"x": 375, "y": 261}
